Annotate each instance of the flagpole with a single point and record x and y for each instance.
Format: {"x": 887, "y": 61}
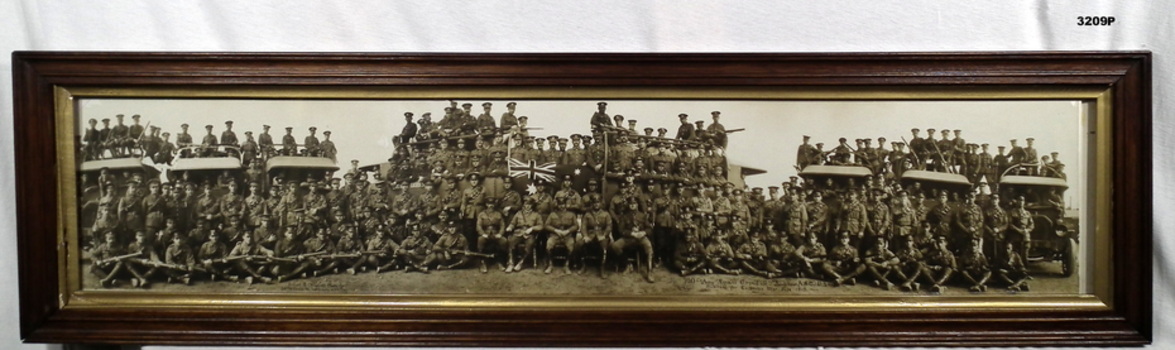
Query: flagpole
{"x": 604, "y": 172}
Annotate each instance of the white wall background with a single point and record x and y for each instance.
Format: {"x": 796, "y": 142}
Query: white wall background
{"x": 595, "y": 26}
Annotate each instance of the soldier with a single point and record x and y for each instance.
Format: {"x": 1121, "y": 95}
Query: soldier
{"x": 946, "y": 148}
{"x": 289, "y": 144}
{"x": 349, "y": 250}
{"x": 472, "y": 204}
{"x": 379, "y": 252}
{"x": 690, "y": 255}
{"x": 819, "y": 217}
{"x": 661, "y": 132}
{"x": 973, "y": 266}
{"x": 105, "y": 262}
{"x": 686, "y": 130}
{"x": 909, "y": 266}
{"x": 1021, "y": 226}
{"x": 524, "y": 228}
{"x": 969, "y": 222}
{"x": 796, "y": 223}
{"x": 145, "y": 258}
{"x": 208, "y": 144}
{"x": 183, "y": 139}
{"x": 843, "y": 264}
{"x": 917, "y": 145}
{"x": 120, "y": 139}
{"x": 491, "y": 230}
{"x": 414, "y": 251}
{"x": 252, "y": 262}
{"x": 1030, "y": 157}
{"x": 409, "y": 132}
{"x": 212, "y": 256}
{"x": 806, "y": 154}
{"x": 92, "y": 140}
{"x": 841, "y": 154}
{"x": 486, "y": 121}
{"x": 180, "y": 259}
{"x": 310, "y": 144}
{"x": 319, "y": 244}
{"x": 854, "y": 218}
{"x": 1011, "y": 269}
{"x": 634, "y": 228}
{"x": 562, "y": 225}
{"x": 881, "y": 262}
{"x": 716, "y": 130}
{"x": 508, "y": 121}
{"x": 720, "y": 256}
{"x": 939, "y": 265}
{"x": 567, "y": 194}
{"x": 597, "y": 229}
{"x": 265, "y": 142}
{"x": 288, "y": 259}
{"x": 249, "y": 150}
{"x": 154, "y": 207}
{"x": 700, "y": 134}
{"x": 576, "y": 156}
{"x": 228, "y": 137}
{"x": 1056, "y": 168}
{"x": 446, "y": 251}
{"x": 752, "y": 256}
{"x": 327, "y": 147}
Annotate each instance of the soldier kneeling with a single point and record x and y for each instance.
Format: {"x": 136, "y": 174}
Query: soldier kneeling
{"x": 690, "y": 255}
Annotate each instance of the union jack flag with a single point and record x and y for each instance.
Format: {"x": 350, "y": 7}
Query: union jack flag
{"x": 532, "y": 170}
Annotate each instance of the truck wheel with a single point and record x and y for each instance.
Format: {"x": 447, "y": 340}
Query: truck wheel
{"x": 1069, "y": 258}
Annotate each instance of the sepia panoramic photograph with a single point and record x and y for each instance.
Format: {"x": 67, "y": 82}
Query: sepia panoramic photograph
{"x": 591, "y": 197}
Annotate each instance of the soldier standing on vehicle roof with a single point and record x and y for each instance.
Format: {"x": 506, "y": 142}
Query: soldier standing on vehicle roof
{"x": 265, "y": 142}
{"x": 248, "y": 150}
{"x": 1030, "y": 158}
{"x": 717, "y": 130}
{"x": 486, "y": 120}
{"x": 289, "y": 143}
{"x": 310, "y": 143}
{"x": 228, "y": 137}
{"x": 685, "y": 132}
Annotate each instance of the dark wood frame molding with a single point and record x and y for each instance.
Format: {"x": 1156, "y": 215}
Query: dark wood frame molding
{"x": 1126, "y": 74}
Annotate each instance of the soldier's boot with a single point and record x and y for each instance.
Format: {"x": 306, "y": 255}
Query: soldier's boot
{"x": 548, "y": 270}
{"x": 248, "y": 279}
{"x": 482, "y": 267}
{"x": 603, "y": 263}
{"x": 510, "y": 262}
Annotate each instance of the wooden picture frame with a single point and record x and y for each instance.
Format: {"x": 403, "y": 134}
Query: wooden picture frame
{"x": 1114, "y": 310}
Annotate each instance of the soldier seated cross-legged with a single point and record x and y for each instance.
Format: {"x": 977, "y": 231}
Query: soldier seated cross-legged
{"x": 974, "y": 268}
{"x": 451, "y": 250}
{"x": 843, "y": 264}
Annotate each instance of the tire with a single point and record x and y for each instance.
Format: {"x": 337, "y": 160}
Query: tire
{"x": 1069, "y": 258}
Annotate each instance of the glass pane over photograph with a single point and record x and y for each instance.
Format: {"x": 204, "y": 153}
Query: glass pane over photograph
{"x": 593, "y": 197}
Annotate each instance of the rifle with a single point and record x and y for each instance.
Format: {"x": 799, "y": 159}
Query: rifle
{"x": 735, "y": 130}
{"x": 469, "y": 253}
{"x": 912, "y": 152}
{"x": 297, "y": 257}
{"x": 117, "y": 258}
{"x": 170, "y": 266}
{"x": 941, "y": 158}
{"x": 238, "y": 257}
